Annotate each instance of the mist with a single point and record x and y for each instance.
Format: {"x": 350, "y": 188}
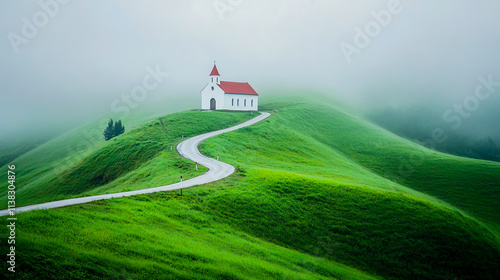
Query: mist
{"x": 64, "y": 63}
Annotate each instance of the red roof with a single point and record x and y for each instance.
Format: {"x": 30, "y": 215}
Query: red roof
{"x": 237, "y": 88}
{"x": 215, "y": 72}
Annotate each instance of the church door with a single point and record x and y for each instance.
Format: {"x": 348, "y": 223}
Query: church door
{"x": 212, "y": 104}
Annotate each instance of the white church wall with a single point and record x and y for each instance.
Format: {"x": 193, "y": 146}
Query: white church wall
{"x": 207, "y": 94}
{"x": 241, "y": 102}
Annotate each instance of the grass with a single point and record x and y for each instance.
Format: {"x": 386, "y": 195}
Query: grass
{"x": 156, "y": 236}
{"x": 329, "y": 142}
{"x": 267, "y": 225}
{"x": 123, "y": 163}
{"x": 12, "y": 150}
{"x": 40, "y": 165}
{"x": 392, "y": 235}
{"x": 319, "y": 193}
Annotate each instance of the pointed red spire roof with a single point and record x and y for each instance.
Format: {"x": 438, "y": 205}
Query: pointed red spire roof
{"x": 215, "y": 72}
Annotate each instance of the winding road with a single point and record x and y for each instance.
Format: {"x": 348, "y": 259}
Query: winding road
{"x": 187, "y": 149}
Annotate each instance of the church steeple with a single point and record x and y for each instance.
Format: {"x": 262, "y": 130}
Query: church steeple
{"x": 214, "y": 75}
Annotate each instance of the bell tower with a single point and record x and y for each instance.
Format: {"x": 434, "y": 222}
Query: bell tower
{"x": 214, "y": 76}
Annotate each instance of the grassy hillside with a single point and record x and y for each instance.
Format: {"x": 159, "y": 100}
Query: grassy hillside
{"x": 329, "y": 142}
{"x": 156, "y": 236}
{"x": 319, "y": 193}
{"x": 395, "y": 236}
{"x": 39, "y": 165}
{"x": 137, "y": 159}
{"x": 12, "y": 150}
{"x": 43, "y": 163}
{"x": 254, "y": 228}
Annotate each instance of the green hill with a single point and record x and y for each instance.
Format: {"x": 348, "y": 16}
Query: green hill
{"x": 392, "y": 235}
{"x": 134, "y": 160}
{"x": 332, "y": 143}
{"x": 40, "y": 165}
{"x": 319, "y": 193}
{"x": 157, "y": 236}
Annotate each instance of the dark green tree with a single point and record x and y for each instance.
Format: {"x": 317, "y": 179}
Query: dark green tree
{"x": 113, "y": 129}
{"x": 109, "y": 131}
{"x": 118, "y": 128}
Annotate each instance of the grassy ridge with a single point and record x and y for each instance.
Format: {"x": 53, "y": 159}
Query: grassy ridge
{"x": 227, "y": 230}
{"x": 384, "y": 233}
{"x": 470, "y": 184}
{"x": 10, "y": 151}
{"x": 120, "y": 156}
{"x": 308, "y": 180}
{"x": 39, "y": 166}
{"x": 137, "y": 155}
{"x": 310, "y": 138}
{"x": 155, "y": 236}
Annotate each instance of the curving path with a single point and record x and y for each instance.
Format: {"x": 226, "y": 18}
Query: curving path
{"x": 187, "y": 148}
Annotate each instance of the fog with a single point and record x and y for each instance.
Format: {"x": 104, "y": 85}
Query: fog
{"x": 64, "y": 63}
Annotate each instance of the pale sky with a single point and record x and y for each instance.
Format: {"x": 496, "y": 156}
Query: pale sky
{"x": 63, "y": 63}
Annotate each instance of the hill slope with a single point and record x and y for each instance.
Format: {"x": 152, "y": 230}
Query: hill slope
{"x": 155, "y": 236}
{"x": 395, "y": 236}
{"x": 327, "y": 141}
{"x": 137, "y": 159}
{"x": 40, "y": 165}
{"x": 312, "y": 194}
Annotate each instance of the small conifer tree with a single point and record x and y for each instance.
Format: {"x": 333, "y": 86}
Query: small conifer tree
{"x": 118, "y": 128}
{"x": 109, "y": 131}
{"x": 113, "y": 129}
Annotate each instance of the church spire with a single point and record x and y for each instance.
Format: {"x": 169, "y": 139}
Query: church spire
{"x": 215, "y": 72}
{"x": 214, "y": 75}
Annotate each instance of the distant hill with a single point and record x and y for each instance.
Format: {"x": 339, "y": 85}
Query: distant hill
{"x": 475, "y": 137}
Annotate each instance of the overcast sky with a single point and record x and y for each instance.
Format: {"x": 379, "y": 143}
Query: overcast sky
{"x": 72, "y": 62}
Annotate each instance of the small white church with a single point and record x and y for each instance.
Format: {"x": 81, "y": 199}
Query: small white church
{"x": 220, "y": 95}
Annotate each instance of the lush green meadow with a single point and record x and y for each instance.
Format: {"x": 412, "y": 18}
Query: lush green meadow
{"x": 39, "y": 166}
{"x": 328, "y": 141}
{"x": 383, "y": 233}
{"x": 266, "y": 225}
{"x": 156, "y": 236}
{"x": 138, "y": 159}
{"x": 319, "y": 193}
